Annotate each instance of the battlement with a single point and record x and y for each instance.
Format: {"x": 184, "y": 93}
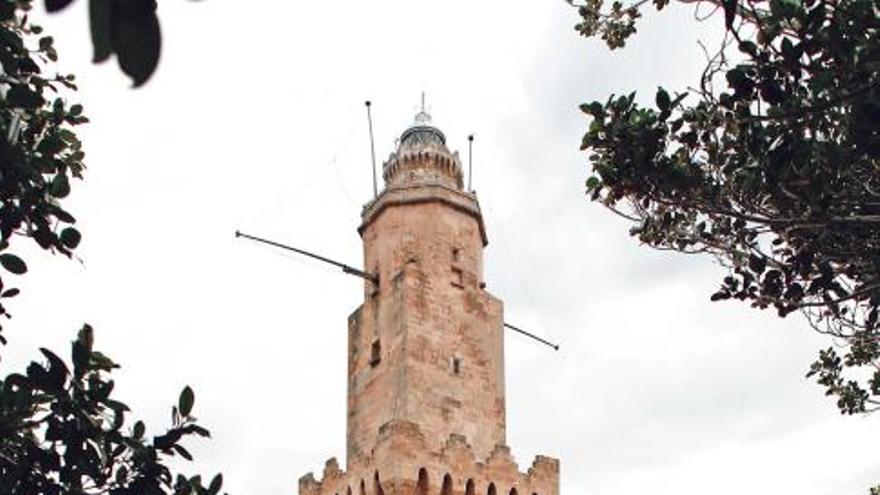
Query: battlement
{"x": 426, "y": 163}
{"x": 402, "y": 464}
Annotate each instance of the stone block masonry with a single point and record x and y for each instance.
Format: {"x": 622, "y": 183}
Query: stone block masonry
{"x": 405, "y": 465}
{"x": 426, "y": 405}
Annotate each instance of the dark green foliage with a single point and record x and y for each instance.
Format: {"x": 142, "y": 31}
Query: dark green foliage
{"x": 130, "y": 29}
{"x": 127, "y": 28}
{"x": 771, "y": 164}
{"x": 63, "y": 432}
{"x": 39, "y": 153}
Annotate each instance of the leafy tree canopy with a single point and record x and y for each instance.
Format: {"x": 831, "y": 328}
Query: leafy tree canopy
{"x": 61, "y": 429}
{"x": 771, "y": 163}
{"x": 39, "y": 153}
{"x": 128, "y": 29}
{"x": 62, "y": 432}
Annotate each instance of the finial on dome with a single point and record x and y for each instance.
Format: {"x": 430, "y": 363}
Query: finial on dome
{"x": 422, "y": 130}
{"x": 423, "y": 118}
{"x": 422, "y": 156}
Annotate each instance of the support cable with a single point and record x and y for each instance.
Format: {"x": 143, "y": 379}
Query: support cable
{"x": 372, "y": 149}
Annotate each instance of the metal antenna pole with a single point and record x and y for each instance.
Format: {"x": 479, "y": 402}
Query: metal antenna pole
{"x": 372, "y": 149}
{"x": 470, "y": 185}
{"x": 372, "y": 277}
{"x": 532, "y": 336}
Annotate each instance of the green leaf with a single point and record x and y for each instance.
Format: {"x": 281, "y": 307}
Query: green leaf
{"x": 662, "y": 98}
{"x": 51, "y": 145}
{"x": 56, "y": 5}
{"x": 139, "y": 430}
{"x": 185, "y": 402}
{"x": 102, "y": 362}
{"x": 198, "y": 430}
{"x": 757, "y": 264}
{"x": 749, "y": 48}
{"x": 13, "y": 263}
{"x": 166, "y": 441}
{"x": 61, "y": 214}
{"x": 80, "y": 357}
{"x": 46, "y": 42}
{"x": 216, "y": 484}
{"x": 70, "y": 237}
{"x": 60, "y": 186}
{"x": 57, "y": 369}
{"x": 22, "y": 96}
{"x": 137, "y": 39}
{"x": 182, "y": 451}
{"x": 101, "y": 23}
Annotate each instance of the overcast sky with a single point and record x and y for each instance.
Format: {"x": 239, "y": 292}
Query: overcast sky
{"x": 255, "y": 121}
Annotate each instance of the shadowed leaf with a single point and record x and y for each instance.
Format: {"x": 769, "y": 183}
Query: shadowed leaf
{"x": 136, "y": 38}
{"x": 13, "y": 263}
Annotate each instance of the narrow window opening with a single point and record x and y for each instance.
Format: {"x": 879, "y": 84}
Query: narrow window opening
{"x": 456, "y": 254}
{"x": 422, "y": 484}
{"x": 469, "y": 488}
{"x": 457, "y": 277}
{"x": 456, "y": 365}
{"x": 375, "y": 353}
{"x": 491, "y": 490}
{"x": 377, "y": 485}
{"x": 447, "y": 485}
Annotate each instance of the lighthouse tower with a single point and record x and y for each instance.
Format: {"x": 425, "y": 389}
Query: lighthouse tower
{"x": 426, "y": 408}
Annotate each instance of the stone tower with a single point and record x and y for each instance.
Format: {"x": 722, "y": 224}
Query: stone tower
{"x": 426, "y": 409}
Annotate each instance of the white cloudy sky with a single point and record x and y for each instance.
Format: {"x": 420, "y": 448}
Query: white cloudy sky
{"x": 255, "y": 121}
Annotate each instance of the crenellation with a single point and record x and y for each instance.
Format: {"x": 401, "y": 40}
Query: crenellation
{"x": 308, "y": 485}
{"x": 416, "y": 468}
{"x": 331, "y": 469}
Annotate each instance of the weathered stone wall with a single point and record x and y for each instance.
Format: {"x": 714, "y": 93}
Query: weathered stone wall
{"x": 402, "y": 464}
{"x": 438, "y": 333}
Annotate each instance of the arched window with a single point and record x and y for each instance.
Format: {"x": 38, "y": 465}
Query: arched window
{"x": 513, "y": 491}
{"x": 447, "y": 485}
{"x": 363, "y": 488}
{"x": 348, "y": 491}
{"x": 469, "y": 488}
{"x": 491, "y": 490}
{"x": 423, "y": 484}
{"x": 377, "y": 485}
